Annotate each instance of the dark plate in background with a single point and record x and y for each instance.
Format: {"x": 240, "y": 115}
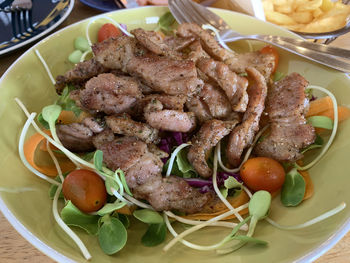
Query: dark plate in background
{"x": 103, "y": 5}
{"x": 40, "y": 11}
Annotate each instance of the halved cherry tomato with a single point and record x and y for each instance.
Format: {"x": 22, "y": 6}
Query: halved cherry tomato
{"x": 106, "y": 31}
{"x": 85, "y": 189}
{"x": 262, "y": 173}
{"x": 274, "y": 52}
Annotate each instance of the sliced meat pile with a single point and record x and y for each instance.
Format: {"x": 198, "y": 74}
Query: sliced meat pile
{"x": 163, "y": 74}
{"x": 79, "y": 74}
{"x": 286, "y": 105}
{"x": 242, "y": 136}
{"x": 143, "y": 176}
{"x": 207, "y": 137}
{"x": 263, "y": 62}
{"x": 136, "y": 89}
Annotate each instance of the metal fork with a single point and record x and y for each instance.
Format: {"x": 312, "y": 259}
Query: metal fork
{"x": 188, "y": 11}
{"x": 21, "y": 17}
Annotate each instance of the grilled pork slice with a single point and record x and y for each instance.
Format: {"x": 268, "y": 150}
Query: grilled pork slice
{"x": 125, "y": 126}
{"x": 94, "y": 125}
{"x": 76, "y": 137}
{"x": 166, "y": 75}
{"x": 171, "y": 120}
{"x": 162, "y": 74}
{"x": 233, "y": 85}
{"x": 242, "y": 136}
{"x": 263, "y": 62}
{"x": 155, "y": 42}
{"x": 207, "y": 137}
{"x": 199, "y": 108}
{"x": 143, "y": 175}
{"x": 170, "y": 102}
{"x": 79, "y": 74}
{"x": 208, "y": 42}
{"x": 286, "y": 104}
{"x": 195, "y": 51}
{"x": 110, "y": 94}
{"x": 216, "y": 100}
{"x": 115, "y": 53}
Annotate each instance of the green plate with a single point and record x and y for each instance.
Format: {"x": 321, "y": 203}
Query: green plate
{"x": 30, "y": 212}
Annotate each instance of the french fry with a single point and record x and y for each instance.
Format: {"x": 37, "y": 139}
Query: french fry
{"x": 327, "y": 5}
{"x": 302, "y": 17}
{"x": 279, "y": 18}
{"x": 312, "y": 16}
{"x": 309, "y": 5}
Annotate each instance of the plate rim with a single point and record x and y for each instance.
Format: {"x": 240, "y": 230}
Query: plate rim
{"x": 55, "y": 255}
{"x": 87, "y": 3}
{"x": 45, "y": 32}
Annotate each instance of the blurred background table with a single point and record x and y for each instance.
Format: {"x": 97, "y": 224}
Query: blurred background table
{"x": 14, "y": 248}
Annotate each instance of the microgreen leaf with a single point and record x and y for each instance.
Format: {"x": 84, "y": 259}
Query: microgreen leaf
{"x": 88, "y": 156}
{"x": 293, "y": 189}
{"x": 124, "y": 219}
{"x": 181, "y": 167}
{"x": 67, "y": 103}
{"x": 111, "y": 183}
{"x": 259, "y": 204}
{"x": 224, "y": 192}
{"x": 98, "y": 159}
{"x": 112, "y": 235}
{"x": 148, "y": 216}
{"x": 278, "y": 76}
{"x": 123, "y": 180}
{"x": 42, "y": 121}
{"x": 51, "y": 113}
{"x": 110, "y": 207}
{"x": 247, "y": 239}
{"x": 154, "y": 235}
{"x": 231, "y": 182}
{"x": 321, "y": 122}
{"x": 72, "y": 216}
{"x": 165, "y": 22}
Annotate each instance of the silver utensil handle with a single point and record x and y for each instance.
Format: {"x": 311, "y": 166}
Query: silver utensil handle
{"x": 334, "y": 51}
{"x": 230, "y": 36}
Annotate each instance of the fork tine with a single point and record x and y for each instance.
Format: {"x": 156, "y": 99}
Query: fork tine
{"x": 30, "y": 21}
{"x": 204, "y": 20}
{"x": 25, "y": 15}
{"x": 13, "y": 24}
{"x": 18, "y": 15}
{"x": 190, "y": 12}
{"x": 180, "y": 17}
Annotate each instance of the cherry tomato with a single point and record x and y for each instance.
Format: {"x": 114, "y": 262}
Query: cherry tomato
{"x": 262, "y": 173}
{"x": 274, "y": 52}
{"x": 85, "y": 189}
{"x": 107, "y": 31}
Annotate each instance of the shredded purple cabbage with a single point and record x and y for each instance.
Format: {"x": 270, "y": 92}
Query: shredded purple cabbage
{"x": 313, "y": 98}
{"x": 124, "y": 27}
{"x": 170, "y": 140}
{"x": 207, "y": 185}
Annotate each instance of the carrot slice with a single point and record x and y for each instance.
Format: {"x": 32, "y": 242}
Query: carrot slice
{"x": 67, "y": 117}
{"x": 343, "y": 113}
{"x": 29, "y": 152}
{"x": 220, "y": 208}
{"x": 126, "y": 210}
{"x": 309, "y": 186}
{"x": 320, "y": 105}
